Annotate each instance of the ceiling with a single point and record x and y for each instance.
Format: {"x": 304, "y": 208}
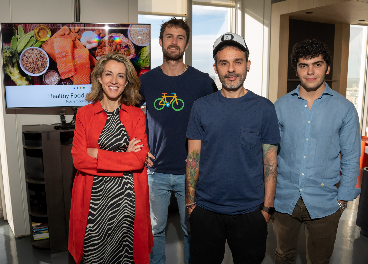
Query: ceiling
{"x": 350, "y": 12}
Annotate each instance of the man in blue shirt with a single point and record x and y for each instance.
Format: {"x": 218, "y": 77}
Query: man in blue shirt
{"x": 231, "y": 164}
{"x": 169, "y": 92}
{"x": 318, "y": 162}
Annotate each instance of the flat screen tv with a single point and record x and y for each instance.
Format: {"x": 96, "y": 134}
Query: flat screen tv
{"x": 49, "y": 65}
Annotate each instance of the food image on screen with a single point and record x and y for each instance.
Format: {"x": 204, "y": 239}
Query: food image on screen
{"x": 140, "y": 34}
{"x": 42, "y": 32}
{"x": 64, "y": 57}
{"x": 82, "y": 66}
{"x": 73, "y": 60}
{"x": 55, "y": 61}
{"x": 51, "y": 78}
{"x": 66, "y": 82}
{"x": 118, "y": 43}
{"x": 34, "y": 60}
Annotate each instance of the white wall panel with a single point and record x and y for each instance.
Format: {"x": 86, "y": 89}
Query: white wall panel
{"x": 4, "y": 11}
{"x": 133, "y": 11}
{"x": 108, "y": 11}
{"x": 45, "y": 11}
{"x": 163, "y": 6}
{"x": 215, "y": 1}
{"x": 4, "y": 17}
{"x": 257, "y": 17}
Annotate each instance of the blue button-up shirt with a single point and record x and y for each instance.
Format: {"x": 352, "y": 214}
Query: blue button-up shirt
{"x": 315, "y": 146}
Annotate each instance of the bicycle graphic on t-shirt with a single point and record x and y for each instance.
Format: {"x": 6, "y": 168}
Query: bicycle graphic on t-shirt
{"x": 176, "y": 103}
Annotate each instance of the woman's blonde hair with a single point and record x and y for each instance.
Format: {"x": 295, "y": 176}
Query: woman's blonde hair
{"x": 130, "y": 95}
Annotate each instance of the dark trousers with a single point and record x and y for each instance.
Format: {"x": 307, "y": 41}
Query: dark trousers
{"x": 246, "y": 236}
{"x": 320, "y": 235}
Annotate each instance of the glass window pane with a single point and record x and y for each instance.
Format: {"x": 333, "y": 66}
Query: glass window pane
{"x": 208, "y": 23}
{"x": 156, "y": 22}
{"x": 356, "y": 63}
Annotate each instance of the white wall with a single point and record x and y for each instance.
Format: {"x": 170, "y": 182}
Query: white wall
{"x": 109, "y": 11}
{"x": 11, "y": 152}
{"x": 256, "y": 23}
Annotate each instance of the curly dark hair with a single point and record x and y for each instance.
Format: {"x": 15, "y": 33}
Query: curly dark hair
{"x": 177, "y": 23}
{"x": 309, "y": 49}
{"x": 131, "y": 95}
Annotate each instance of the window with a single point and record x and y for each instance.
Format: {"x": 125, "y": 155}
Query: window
{"x": 208, "y": 23}
{"x": 356, "y": 66}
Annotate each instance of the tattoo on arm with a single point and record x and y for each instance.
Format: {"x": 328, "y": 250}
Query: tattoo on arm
{"x": 270, "y": 173}
{"x": 192, "y": 172}
{"x": 269, "y": 162}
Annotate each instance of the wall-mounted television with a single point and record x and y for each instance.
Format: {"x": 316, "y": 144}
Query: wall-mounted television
{"x": 49, "y": 65}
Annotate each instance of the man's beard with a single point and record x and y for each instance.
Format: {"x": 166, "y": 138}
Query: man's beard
{"x": 173, "y": 57}
{"x": 233, "y": 85}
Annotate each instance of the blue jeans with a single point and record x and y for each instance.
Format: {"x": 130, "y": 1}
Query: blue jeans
{"x": 160, "y": 187}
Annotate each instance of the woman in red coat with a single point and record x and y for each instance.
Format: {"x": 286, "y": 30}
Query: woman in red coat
{"x": 109, "y": 218}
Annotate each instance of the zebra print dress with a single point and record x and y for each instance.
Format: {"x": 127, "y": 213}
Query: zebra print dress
{"x": 110, "y": 224}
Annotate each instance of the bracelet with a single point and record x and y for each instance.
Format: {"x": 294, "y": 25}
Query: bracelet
{"x": 342, "y": 206}
{"x": 190, "y": 205}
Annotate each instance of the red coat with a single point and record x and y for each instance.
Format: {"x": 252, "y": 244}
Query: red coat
{"x": 90, "y": 122}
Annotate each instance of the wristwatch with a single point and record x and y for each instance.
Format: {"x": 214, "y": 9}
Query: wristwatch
{"x": 269, "y": 210}
{"x": 343, "y": 206}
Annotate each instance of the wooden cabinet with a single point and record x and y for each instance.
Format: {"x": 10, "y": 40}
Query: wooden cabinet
{"x": 49, "y": 175}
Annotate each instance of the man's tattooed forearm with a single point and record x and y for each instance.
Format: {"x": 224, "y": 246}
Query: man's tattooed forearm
{"x": 266, "y": 149}
{"x": 269, "y": 171}
{"x": 270, "y": 162}
{"x": 192, "y": 171}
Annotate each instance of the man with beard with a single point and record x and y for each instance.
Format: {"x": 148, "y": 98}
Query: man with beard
{"x": 169, "y": 92}
{"x": 319, "y": 158}
{"x": 231, "y": 165}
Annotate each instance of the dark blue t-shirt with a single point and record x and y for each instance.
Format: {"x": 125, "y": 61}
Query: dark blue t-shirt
{"x": 232, "y": 131}
{"x": 167, "y": 118}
